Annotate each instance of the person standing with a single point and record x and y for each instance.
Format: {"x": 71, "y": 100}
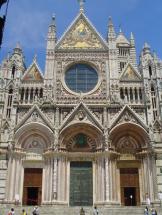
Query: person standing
{"x": 146, "y": 212}
{"x": 95, "y": 211}
{"x": 153, "y": 211}
{"x": 11, "y": 212}
{"x": 148, "y": 202}
{"x": 36, "y": 210}
{"x": 23, "y": 212}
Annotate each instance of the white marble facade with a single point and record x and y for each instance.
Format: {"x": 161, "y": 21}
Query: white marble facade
{"x": 121, "y": 116}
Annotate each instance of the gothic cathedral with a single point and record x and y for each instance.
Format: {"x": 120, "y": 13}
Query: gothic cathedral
{"x": 88, "y": 129}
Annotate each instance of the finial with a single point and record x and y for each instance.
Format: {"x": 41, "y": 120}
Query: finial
{"x": 146, "y": 46}
{"x": 111, "y": 30}
{"x": 35, "y": 58}
{"x": 81, "y": 2}
{"x": 53, "y": 20}
{"x": 132, "y": 39}
{"x": 110, "y": 21}
{"x": 18, "y": 45}
{"x": 53, "y": 16}
{"x": 18, "y": 49}
{"x": 120, "y": 29}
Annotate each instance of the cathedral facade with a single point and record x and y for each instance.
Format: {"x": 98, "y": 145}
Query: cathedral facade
{"x": 87, "y": 130}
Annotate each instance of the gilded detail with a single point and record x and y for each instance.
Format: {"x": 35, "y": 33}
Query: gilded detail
{"x": 81, "y": 37}
{"x": 130, "y": 75}
{"x": 33, "y": 74}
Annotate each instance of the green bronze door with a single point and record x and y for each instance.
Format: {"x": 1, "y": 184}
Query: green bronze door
{"x": 81, "y": 185}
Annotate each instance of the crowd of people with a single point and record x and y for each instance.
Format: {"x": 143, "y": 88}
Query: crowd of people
{"x": 34, "y": 212}
{"x": 151, "y": 211}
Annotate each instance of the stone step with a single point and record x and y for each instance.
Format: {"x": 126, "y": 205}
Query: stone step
{"x": 62, "y": 210}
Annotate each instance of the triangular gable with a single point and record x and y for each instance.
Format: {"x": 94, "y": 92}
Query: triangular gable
{"x": 81, "y": 113}
{"x": 157, "y": 126}
{"x": 33, "y": 73}
{"x": 34, "y": 115}
{"x": 10, "y": 84}
{"x": 130, "y": 74}
{"x": 128, "y": 115}
{"x": 81, "y": 34}
{"x": 5, "y": 125}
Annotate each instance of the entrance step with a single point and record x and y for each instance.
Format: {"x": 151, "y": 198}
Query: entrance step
{"x": 55, "y": 210}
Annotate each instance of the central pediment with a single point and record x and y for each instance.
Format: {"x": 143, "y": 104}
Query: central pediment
{"x": 81, "y": 35}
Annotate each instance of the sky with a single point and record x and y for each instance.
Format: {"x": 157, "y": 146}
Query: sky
{"x": 28, "y": 20}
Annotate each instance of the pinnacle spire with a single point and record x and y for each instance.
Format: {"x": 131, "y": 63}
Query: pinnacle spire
{"x": 53, "y": 21}
{"x": 18, "y": 49}
{"x": 111, "y": 30}
{"x": 146, "y": 49}
{"x": 51, "y": 37}
{"x": 132, "y": 41}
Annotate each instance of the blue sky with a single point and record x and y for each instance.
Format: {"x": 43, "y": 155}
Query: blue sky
{"x": 28, "y": 20}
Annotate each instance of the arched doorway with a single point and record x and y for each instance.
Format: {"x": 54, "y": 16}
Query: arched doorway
{"x": 81, "y": 141}
{"x": 131, "y": 142}
{"x": 26, "y": 164}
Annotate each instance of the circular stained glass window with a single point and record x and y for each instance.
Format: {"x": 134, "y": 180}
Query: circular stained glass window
{"x": 81, "y": 78}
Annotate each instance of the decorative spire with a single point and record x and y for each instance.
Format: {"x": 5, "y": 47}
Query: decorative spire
{"x": 155, "y": 56}
{"x": 51, "y": 37}
{"x": 132, "y": 41}
{"x": 120, "y": 30}
{"x": 146, "y": 49}
{"x": 18, "y": 49}
{"x": 81, "y": 2}
{"x": 111, "y": 30}
{"x": 53, "y": 22}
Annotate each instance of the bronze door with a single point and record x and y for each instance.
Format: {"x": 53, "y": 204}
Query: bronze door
{"x": 32, "y": 186}
{"x": 81, "y": 185}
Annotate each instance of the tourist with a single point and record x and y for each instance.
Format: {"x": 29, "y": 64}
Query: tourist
{"x": 95, "y": 211}
{"x": 153, "y": 211}
{"x": 148, "y": 202}
{"x": 23, "y": 212}
{"x": 146, "y": 212}
{"x": 36, "y": 210}
{"x": 11, "y": 212}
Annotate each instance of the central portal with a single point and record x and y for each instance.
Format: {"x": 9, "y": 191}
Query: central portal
{"x": 81, "y": 184}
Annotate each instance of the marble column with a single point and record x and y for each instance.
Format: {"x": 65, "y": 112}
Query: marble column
{"x": 107, "y": 183}
{"x": 114, "y": 182}
{"x": 47, "y": 181}
{"x": 149, "y": 176}
{"x": 55, "y": 182}
{"x": 100, "y": 181}
{"x": 62, "y": 180}
{"x": 14, "y": 180}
